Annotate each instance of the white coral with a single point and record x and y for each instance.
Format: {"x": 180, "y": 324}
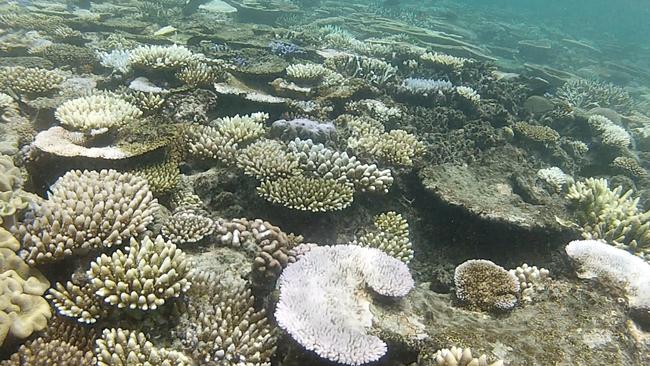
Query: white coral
{"x": 323, "y": 304}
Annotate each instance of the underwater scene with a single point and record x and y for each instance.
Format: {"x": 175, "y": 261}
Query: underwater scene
{"x": 324, "y": 182}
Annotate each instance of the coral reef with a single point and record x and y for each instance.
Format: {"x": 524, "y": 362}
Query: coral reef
{"x": 86, "y": 210}
{"x": 483, "y": 285}
{"x": 307, "y": 194}
{"x": 391, "y": 236}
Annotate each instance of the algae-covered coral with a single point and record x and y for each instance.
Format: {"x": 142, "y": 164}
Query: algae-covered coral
{"x": 313, "y": 182}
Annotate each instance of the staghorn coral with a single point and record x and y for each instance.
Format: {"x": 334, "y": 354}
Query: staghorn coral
{"x": 610, "y": 215}
{"x": 267, "y": 159}
{"x": 307, "y": 194}
{"x": 96, "y": 113}
{"x": 122, "y": 347}
{"x": 78, "y": 302}
{"x": 42, "y": 351}
{"x": 269, "y": 245}
{"x": 587, "y": 94}
{"x": 391, "y": 235}
{"x": 23, "y": 310}
{"x": 221, "y": 326}
{"x": 318, "y": 161}
{"x": 483, "y": 285}
{"x": 148, "y": 274}
{"x": 187, "y": 226}
{"x": 162, "y": 57}
{"x": 322, "y": 302}
{"x": 459, "y": 357}
{"x": 29, "y": 80}
{"x": 86, "y": 210}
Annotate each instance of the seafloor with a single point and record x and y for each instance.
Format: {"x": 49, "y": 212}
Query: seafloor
{"x": 248, "y": 182}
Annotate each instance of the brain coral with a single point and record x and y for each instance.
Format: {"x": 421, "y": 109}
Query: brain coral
{"x": 483, "y": 285}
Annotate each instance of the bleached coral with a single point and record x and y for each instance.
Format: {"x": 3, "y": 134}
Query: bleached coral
{"x": 397, "y": 147}
{"x": 461, "y": 357}
{"x": 426, "y": 86}
{"x": 117, "y": 59}
{"x": 86, "y": 210}
{"x": 483, "y": 285}
{"x": 611, "y": 215}
{"x": 162, "y": 57}
{"x": 371, "y": 69}
{"x": 78, "y": 302}
{"x": 615, "y": 268}
{"x": 322, "y": 302}
{"x": 96, "y": 113}
{"x": 588, "y": 94}
{"x": 610, "y": 133}
{"x": 123, "y": 347}
{"x": 241, "y": 129}
{"x": 391, "y": 235}
{"x": 375, "y": 109}
{"x": 554, "y": 177}
{"x": 307, "y": 194}
{"x": 531, "y": 280}
{"x": 45, "y": 351}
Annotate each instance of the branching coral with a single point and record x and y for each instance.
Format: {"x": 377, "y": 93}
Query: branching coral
{"x": 443, "y": 61}
{"x": 242, "y": 129}
{"x": 148, "y": 274}
{"x": 554, "y": 177}
{"x": 26, "y": 80}
{"x": 483, "y": 285}
{"x": 121, "y": 347}
{"x": 303, "y": 128}
{"x": 267, "y": 159}
{"x": 307, "y": 194}
{"x": 536, "y": 133}
{"x": 86, "y": 210}
{"x": 391, "y": 235}
{"x": 23, "y": 310}
{"x": 375, "y": 109}
{"x": 588, "y": 94}
{"x": 322, "y": 303}
{"x": 460, "y": 357}
{"x": 187, "y": 226}
{"x": 96, "y": 113}
{"x": 78, "y": 302}
{"x": 629, "y": 166}
{"x": 42, "y": 351}
{"x": 374, "y": 70}
{"x": 468, "y": 94}
{"x": 611, "y": 134}
{"x": 267, "y": 242}
{"x": 318, "y": 161}
{"x": 611, "y": 215}
{"x": 397, "y": 147}
{"x": 307, "y": 71}
{"x": 162, "y": 57}
{"x": 197, "y": 74}
{"x": 221, "y": 326}
{"x": 531, "y": 280}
